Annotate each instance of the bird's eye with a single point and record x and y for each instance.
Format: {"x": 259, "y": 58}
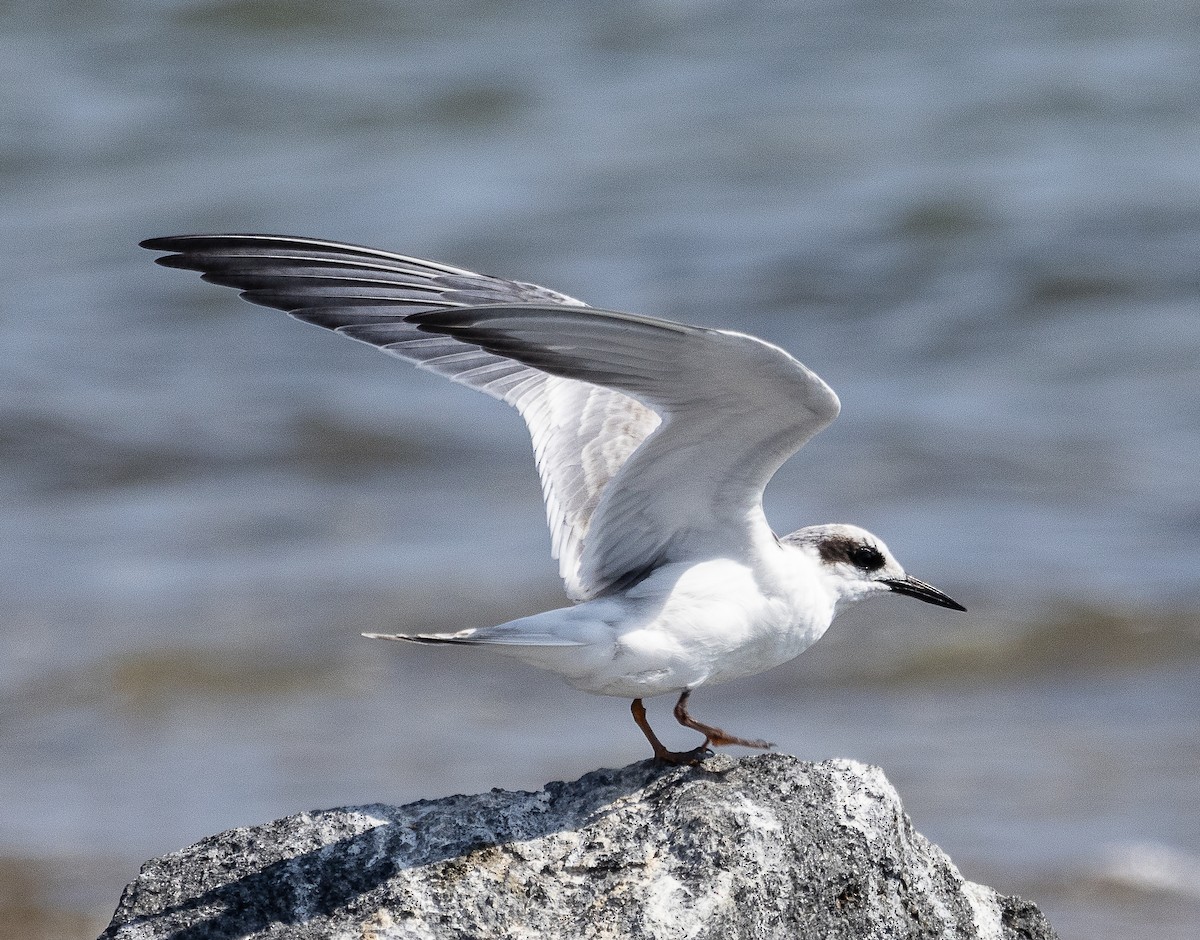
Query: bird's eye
{"x": 866, "y": 557}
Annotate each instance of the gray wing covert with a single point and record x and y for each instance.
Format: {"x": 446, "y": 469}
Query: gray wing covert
{"x": 733, "y": 409}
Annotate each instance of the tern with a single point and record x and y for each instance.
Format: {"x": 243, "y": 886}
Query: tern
{"x": 654, "y": 441}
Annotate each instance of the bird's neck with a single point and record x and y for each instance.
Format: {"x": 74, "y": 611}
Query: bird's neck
{"x": 794, "y": 575}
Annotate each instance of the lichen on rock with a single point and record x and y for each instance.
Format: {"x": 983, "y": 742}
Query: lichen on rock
{"x": 758, "y": 847}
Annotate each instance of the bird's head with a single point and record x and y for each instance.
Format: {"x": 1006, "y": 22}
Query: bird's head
{"x": 855, "y": 564}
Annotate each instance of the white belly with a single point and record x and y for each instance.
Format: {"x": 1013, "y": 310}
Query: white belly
{"x": 683, "y": 627}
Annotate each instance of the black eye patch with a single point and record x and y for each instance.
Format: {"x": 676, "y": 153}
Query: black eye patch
{"x": 841, "y": 549}
{"x": 865, "y": 557}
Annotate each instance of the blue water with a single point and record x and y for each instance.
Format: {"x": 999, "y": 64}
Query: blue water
{"x": 980, "y": 225}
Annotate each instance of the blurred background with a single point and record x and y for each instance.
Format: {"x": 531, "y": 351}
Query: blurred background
{"x": 980, "y": 223}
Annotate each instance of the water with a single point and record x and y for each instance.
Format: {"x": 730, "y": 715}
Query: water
{"x": 979, "y": 225}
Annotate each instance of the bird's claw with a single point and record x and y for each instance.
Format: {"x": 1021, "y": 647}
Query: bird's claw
{"x": 728, "y": 740}
{"x": 692, "y": 758}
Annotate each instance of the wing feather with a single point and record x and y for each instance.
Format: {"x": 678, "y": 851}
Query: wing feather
{"x": 734, "y": 408}
{"x": 582, "y": 433}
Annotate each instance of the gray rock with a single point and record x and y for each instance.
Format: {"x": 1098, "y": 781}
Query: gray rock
{"x": 761, "y": 847}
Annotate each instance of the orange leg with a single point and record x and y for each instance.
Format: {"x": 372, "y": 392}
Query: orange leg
{"x": 661, "y": 754}
{"x": 714, "y": 736}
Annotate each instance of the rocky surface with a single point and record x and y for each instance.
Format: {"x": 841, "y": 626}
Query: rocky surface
{"x": 760, "y": 847}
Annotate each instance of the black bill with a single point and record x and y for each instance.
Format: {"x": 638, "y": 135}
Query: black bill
{"x": 923, "y": 592}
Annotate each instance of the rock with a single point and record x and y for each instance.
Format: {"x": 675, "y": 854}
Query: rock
{"x": 760, "y": 847}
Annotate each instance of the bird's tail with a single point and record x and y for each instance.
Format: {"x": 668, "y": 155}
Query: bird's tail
{"x": 462, "y": 637}
{"x": 514, "y": 633}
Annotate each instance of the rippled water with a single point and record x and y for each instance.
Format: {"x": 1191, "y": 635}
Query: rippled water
{"x": 979, "y": 225}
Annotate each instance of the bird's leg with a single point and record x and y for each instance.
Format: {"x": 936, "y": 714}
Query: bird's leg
{"x": 714, "y": 736}
{"x": 661, "y": 754}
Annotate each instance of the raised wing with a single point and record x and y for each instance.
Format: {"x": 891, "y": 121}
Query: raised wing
{"x": 623, "y": 491}
{"x": 582, "y": 433}
{"x": 734, "y": 408}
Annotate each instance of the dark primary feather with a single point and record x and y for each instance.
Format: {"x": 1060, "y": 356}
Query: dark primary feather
{"x": 302, "y": 275}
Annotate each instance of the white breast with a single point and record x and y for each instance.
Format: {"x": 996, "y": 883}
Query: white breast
{"x": 688, "y": 625}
